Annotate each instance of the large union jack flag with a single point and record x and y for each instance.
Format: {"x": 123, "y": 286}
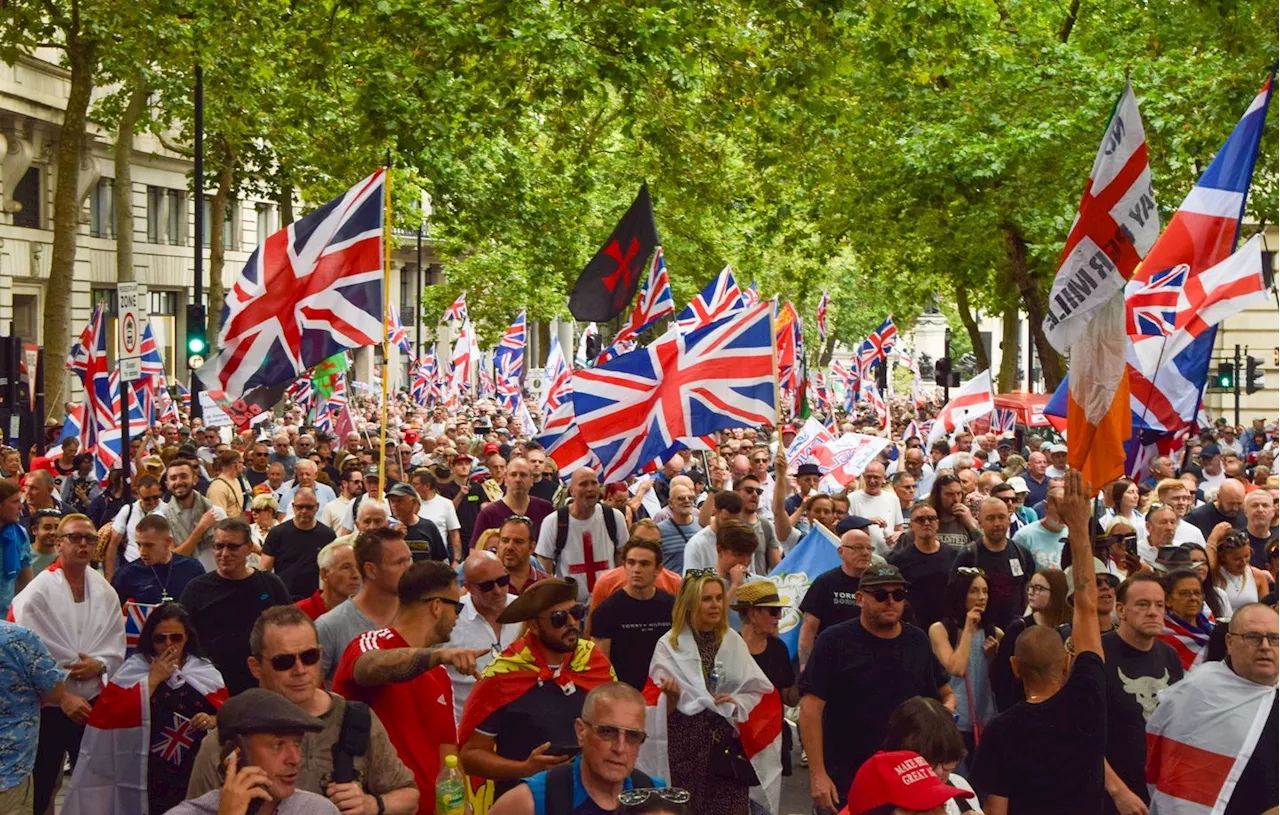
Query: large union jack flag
{"x": 654, "y": 303}
{"x": 311, "y": 290}
{"x": 558, "y": 379}
{"x": 508, "y": 357}
{"x": 457, "y": 311}
{"x": 883, "y": 338}
{"x": 563, "y": 442}
{"x": 719, "y": 299}
{"x": 1152, "y": 306}
{"x": 397, "y": 334}
{"x": 634, "y": 409}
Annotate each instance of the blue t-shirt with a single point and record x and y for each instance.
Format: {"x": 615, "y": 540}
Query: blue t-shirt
{"x": 149, "y": 584}
{"x": 1045, "y": 546}
{"x": 674, "y": 539}
{"x": 27, "y": 672}
{"x": 15, "y": 555}
{"x": 582, "y": 803}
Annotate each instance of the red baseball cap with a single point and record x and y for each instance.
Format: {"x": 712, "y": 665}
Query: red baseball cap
{"x": 901, "y": 778}
{"x": 787, "y": 428}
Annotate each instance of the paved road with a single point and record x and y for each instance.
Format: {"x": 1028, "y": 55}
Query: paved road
{"x": 795, "y": 789}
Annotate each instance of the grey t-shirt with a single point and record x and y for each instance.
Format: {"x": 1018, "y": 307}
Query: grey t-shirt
{"x": 300, "y": 803}
{"x": 336, "y": 629}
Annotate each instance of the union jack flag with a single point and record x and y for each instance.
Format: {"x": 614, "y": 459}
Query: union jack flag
{"x": 465, "y": 355}
{"x": 508, "y": 383}
{"x": 508, "y": 357}
{"x": 822, "y": 397}
{"x": 457, "y": 311}
{"x": 420, "y": 390}
{"x": 883, "y": 338}
{"x": 185, "y": 395}
{"x": 563, "y": 442}
{"x": 486, "y": 388}
{"x": 135, "y": 616}
{"x": 873, "y": 397}
{"x": 175, "y": 739}
{"x": 867, "y": 357}
{"x": 72, "y": 428}
{"x": 823, "y": 304}
{"x": 311, "y": 290}
{"x": 1152, "y": 306}
{"x": 719, "y": 299}
{"x": 397, "y": 334}
{"x": 302, "y": 392}
{"x": 751, "y": 295}
{"x": 917, "y": 429}
{"x": 559, "y": 379}
{"x": 654, "y": 303}
{"x": 88, "y": 359}
{"x": 633, "y": 409}
{"x": 1004, "y": 420}
{"x": 166, "y": 407}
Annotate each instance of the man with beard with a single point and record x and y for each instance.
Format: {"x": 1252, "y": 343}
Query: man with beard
{"x": 580, "y": 541}
{"x": 191, "y": 516}
{"x": 518, "y": 501}
{"x": 398, "y": 671}
{"x": 519, "y": 718}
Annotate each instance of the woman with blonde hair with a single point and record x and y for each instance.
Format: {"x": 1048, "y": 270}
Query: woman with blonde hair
{"x": 717, "y": 727}
{"x": 265, "y": 510}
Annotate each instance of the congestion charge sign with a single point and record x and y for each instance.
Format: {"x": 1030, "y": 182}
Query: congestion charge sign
{"x": 132, "y": 323}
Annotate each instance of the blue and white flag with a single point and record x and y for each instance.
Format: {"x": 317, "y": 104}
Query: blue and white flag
{"x": 814, "y": 554}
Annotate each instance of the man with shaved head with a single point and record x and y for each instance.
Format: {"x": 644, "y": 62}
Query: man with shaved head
{"x": 1228, "y": 506}
{"x": 292, "y": 547}
{"x": 1007, "y": 566}
{"x": 486, "y": 581}
{"x": 519, "y": 500}
{"x": 581, "y": 541}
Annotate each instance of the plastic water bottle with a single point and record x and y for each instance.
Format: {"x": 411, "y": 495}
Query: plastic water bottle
{"x": 451, "y": 794}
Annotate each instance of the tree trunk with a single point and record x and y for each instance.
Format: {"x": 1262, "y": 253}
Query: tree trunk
{"x": 217, "y": 230}
{"x": 971, "y": 326}
{"x": 824, "y": 355}
{"x": 1008, "y": 378}
{"x": 284, "y": 202}
{"x": 1034, "y": 302}
{"x": 123, "y": 184}
{"x": 81, "y": 58}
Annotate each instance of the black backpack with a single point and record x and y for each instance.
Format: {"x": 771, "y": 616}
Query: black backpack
{"x": 559, "y": 792}
{"x": 562, "y": 530}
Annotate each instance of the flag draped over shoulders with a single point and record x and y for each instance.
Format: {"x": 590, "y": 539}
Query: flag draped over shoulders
{"x": 47, "y": 607}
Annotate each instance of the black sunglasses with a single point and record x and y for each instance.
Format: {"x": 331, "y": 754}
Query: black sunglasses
{"x": 882, "y": 596}
{"x": 636, "y": 797}
{"x": 487, "y": 586}
{"x": 283, "y": 662}
{"x": 160, "y": 638}
{"x": 457, "y": 605}
{"x": 559, "y": 619}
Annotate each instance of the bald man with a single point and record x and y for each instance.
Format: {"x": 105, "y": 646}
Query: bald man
{"x": 1007, "y": 566}
{"x": 485, "y": 580}
{"x": 1227, "y": 507}
{"x": 581, "y": 541}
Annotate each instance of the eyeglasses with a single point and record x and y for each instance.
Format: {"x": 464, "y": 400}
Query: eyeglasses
{"x": 284, "y": 662}
{"x": 753, "y": 490}
{"x": 160, "y": 638}
{"x": 559, "y": 619}
{"x": 924, "y": 519}
{"x": 457, "y": 606}
{"x": 218, "y": 547}
{"x": 1036, "y": 588}
{"x": 971, "y": 571}
{"x": 859, "y": 548}
{"x": 487, "y": 586}
{"x": 1255, "y": 639}
{"x": 611, "y": 732}
{"x": 298, "y": 506}
{"x": 883, "y": 596}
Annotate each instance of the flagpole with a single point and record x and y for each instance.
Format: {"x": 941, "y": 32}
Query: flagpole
{"x": 386, "y": 327}
{"x": 773, "y": 349}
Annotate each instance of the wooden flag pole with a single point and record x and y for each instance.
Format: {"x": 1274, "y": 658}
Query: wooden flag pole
{"x": 773, "y": 347}
{"x": 386, "y": 328}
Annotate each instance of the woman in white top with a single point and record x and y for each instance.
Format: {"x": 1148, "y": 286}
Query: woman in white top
{"x": 1124, "y": 504}
{"x": 925, "y": 726}
{"x": 1228, "y": 551}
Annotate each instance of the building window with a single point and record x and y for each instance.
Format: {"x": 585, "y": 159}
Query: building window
{"x": 107, "y": 296}
{"x": 266, "y": 221}
{"x": 102, "y": 209}
{"x": 164, "y": 303}
{"x": 155, "y": 214}
{"x": 228, "y": 223}
{"x": 27, "y": 194}
{"x": 177, "y": 216}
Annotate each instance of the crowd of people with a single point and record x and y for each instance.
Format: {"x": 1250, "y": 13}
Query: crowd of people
{"x": 278, "y": 620}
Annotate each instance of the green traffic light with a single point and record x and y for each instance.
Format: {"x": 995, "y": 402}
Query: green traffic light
{"x": 196, "y": 345}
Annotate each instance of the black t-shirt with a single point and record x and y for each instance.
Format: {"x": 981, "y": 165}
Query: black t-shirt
{"x": 1007, "y": 573}
{"x": 1258, "y": 547}
{"x": 255, "y": 478}
{"x": 545, "y": 488}
{"x": 223, "y": 612}
{"x": 295, "y": 553}
{"x": 830, "y": 598}
{"x": 468, "y": 508}
{"x": 1256, "y": 789}
{"x": 1206, "y": 516}
{"x": 425, "y": 542}
{"x": 1047, "y": 757}
{"x": 544, "y": 713}
{"x": 633, "y": 628}
{"x": 1133, "y": 679}
{"x": 862, "y": 678}
{"x": 927, "y": 575}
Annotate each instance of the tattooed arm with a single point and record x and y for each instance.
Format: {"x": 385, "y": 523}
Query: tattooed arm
{"x": 383, "y": 667}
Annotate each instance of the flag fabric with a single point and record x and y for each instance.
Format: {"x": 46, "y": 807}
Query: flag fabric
{"x": 631, "y": 410}
{"x": 823, "y": 303}
{"x": 135, "y": 616}
{"x": 325, "y": 376}
{"x": 558, "y": 379}
{"x": 485, "y": 388}
{"x": 1195, "y": 304}
{"x": 508, "y": 388}
{"x": 971, "y": 401}
{"x": 1188, "y": 640}
{"x": 867, "y": 357}
{"x": 884, "y": 338}
{"x": 785, "y": 326}
{"x": 88, "y": 359}
{"x": 719, "y": 299}
{"x": 457, "y": 311}
{"x": 873, "y": 397}
{"x": 812, "y": 555}
{"x": 563, "y": 442}
{"x": 822, "y": 397}
{"x": 111, "y": 774}
{"x": 583, "y": 358}
{"x": 1004, "y": 420}
{"x": 811, "y": 435}
{"x": 918, "y": 429}
{"x": 609, "y": 281}
{"x": 1200, "y": 739}
{"x": 166, "y": 407}
{"x": 803, "y": 408}
{"x": 313, "y": 289}
{"x": 750, "y": 295}
{"x": 302, "y": 392}
{"x": 528, "y": 427}
{"x": 397, "y": 334}
{"x": 756, "y": 712}
{"x": 185, "y": 395}
{"x": 508, "y": 357}
{"x": 465, "y": 355}
{"x": 420, "y": 388}
{"x": 72, "y": 428}
{"x": 654, "y": 303}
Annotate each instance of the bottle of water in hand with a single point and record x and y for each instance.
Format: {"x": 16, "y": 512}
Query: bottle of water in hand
{"x": 451, "y": 793}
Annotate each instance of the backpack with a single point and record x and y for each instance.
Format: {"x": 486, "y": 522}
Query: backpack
{"x": 352, "y": 741}
{"x": 562, "y": 530}
{"x": 559, "y": 792}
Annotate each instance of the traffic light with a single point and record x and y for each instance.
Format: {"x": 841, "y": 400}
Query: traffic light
{"x": 1226, "y": 378}
{"x": 1255, "y": 378}
{"x": 942, "y": 370}
{"x": 197, "y": 339}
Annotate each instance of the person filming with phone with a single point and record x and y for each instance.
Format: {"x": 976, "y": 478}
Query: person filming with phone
{"x": 261, "y": 735}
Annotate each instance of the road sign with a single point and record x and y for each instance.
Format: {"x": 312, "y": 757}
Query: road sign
{"x": 133, "y": 321}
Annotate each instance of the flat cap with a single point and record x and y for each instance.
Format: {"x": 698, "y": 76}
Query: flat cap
{"x": 538, "y": 598}
{"x": 808, "y": 468}
{"x": 258, "y": 710}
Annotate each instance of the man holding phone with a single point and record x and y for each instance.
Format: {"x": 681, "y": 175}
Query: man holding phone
{"x": 261, "y": 735}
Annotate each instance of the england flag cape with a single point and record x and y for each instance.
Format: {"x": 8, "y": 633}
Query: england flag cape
{"x": 47, "y": 607}
{"x": 1201, "y": 738}
{"x": 111, "y": 774}
{"x": 757, "y": 714}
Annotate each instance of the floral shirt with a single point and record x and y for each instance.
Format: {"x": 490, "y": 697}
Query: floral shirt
{"x": 27, "y": 672}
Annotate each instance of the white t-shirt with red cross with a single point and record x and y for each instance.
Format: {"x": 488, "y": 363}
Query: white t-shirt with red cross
{"x": 573, "y": 562}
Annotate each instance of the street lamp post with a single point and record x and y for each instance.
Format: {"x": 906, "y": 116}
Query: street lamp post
{"x": 198, "y": 188}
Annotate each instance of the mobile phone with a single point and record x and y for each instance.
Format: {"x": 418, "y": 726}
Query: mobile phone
{"x": 564, "y": 750}
{"x": 1131, "y": 544}
{"x": 242, "y": 761}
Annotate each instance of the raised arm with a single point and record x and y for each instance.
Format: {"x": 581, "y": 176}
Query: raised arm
{"x": 1085, "y": 632}
{"x": 782, "y": 523}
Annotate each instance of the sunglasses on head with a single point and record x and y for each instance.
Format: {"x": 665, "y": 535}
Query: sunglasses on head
{"x": 884, "y": 596}
{"x": 559, "y": 619}
{"x": 487, "y": 586}
{"x": 284, "y": 662}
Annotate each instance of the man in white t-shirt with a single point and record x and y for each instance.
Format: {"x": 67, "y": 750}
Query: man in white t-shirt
{"x": 586, "y": 524}
{"x": 125, "y": 524}
{"x": 880, "y": 506}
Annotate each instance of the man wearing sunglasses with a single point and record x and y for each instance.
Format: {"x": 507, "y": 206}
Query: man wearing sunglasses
{"x": 286, "y": 661}
{"x": 487, "y": 583}
{"x": 859, "y": 672}
{"x": 610, "y": 732}
{"x": 519, "y": 718}
{"x": 124, "y": 527}
{"x": 398, "y": 671}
